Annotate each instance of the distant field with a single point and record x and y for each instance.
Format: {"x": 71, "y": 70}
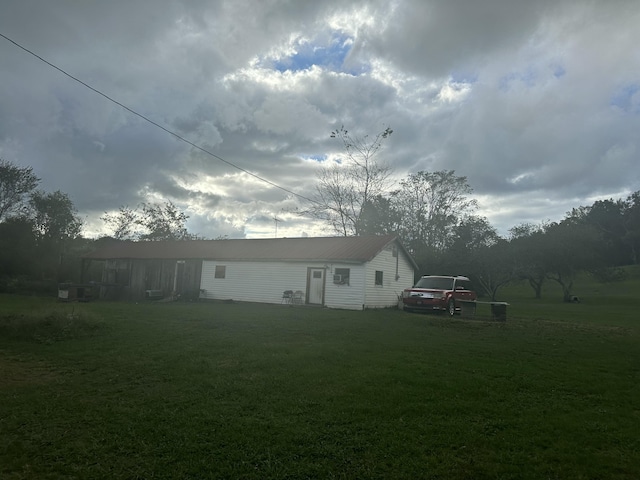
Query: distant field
{"x": 202, "y": 390}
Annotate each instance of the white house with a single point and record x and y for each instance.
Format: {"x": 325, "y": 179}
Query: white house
{"x": 335, "y": 272}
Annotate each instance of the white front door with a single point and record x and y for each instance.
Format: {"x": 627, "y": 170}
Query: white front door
{"x": 315, "y": 285}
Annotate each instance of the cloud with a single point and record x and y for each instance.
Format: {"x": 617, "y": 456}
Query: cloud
{"x": 536, "y": 103}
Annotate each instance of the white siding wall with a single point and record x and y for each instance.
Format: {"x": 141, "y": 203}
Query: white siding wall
{"x": 386, "y": 295}
{"x": 264, "y": 282}
{"x": 346, "y": 296}
{"x": 261, "y": 282}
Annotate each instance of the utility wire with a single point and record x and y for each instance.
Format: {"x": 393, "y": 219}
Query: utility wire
{"x": 147, "y": 119}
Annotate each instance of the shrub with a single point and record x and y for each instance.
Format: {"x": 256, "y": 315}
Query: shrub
{"x": 23, "y": 285}
{"x": 610, "y": 274}
{"x": 48, "y": 327}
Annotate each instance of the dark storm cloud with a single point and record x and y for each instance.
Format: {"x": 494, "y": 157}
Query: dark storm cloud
{"x": 439, "y": 39}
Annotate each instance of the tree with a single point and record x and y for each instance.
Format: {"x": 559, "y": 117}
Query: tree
{"x": 149, "y": 222}
{"x": 54, "y": 216}
{"x": 472, "y": 234}
{"x": 569, "y": 247}
{"x": 527, "y": 244}
{"x": 494, "y": 268}
{"x": 631, "y": 217}
{"x": 333, "y": 202}
{"x": 16, "y": 183}
{"x": 40, "y": 232}
{"x": 608, "y": 219}
{"x": 123, "y": 223}
{"x": 479, "y": 252}
{"x": 431, "y": 205}
{"x": 379, "y": 217}
{"x": 345, "y": 188}
{"x": 17, "y": 246}
{"x": 163, "y": 222}
{"x": 55, "y": 224}
{"x": 618, "y": 225}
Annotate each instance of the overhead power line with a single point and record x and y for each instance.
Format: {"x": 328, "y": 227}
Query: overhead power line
{"x": 147, "y": 119}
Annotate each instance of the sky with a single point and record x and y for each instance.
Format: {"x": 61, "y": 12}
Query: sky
{"x": 536, "y": 103}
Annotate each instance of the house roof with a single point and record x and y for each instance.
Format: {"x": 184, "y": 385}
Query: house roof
{"x": 344, "y": 249}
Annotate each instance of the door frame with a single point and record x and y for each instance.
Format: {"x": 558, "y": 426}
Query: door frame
{"x": 310, "y": 271}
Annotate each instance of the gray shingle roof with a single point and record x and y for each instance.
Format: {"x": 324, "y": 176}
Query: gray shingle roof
{"x": 345, "y": 249}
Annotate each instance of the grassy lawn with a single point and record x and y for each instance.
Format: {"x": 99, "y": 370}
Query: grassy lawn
{"x": 203, "y": 390}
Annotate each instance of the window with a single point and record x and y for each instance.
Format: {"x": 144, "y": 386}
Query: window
{"x": 221, "y": 271}
{"x": 341, "y": 276}
{"x": 378, "y": 277}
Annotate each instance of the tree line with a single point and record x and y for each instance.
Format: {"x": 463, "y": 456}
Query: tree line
{"x": 432, "y": 212}
{"x": 436, "y": 218}
{"x": 37, "y": 228}
{"x": 41, "y": 240}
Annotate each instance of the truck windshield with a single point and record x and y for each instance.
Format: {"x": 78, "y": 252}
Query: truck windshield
{"x": 435, "y": 283}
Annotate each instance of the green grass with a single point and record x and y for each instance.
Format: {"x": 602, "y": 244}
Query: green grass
{"x": 203, "y": 390}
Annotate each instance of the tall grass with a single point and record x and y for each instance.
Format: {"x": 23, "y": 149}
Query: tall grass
{"x": 256, "y": 391}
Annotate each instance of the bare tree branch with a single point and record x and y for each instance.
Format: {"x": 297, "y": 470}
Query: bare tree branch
{"x": 344, "y": 189}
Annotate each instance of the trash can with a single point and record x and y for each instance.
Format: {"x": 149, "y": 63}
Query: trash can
{"x": 467, "y": 308}
{"x": 499, "y": 311}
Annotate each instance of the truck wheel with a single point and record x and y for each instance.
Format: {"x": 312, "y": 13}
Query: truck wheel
{"x": 451, "y": 308}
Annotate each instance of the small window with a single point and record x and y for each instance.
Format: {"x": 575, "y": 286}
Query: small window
{"x": 378, "y": 277}
{"x": 341, "y": 276}
{"x": 221, "y": 271}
